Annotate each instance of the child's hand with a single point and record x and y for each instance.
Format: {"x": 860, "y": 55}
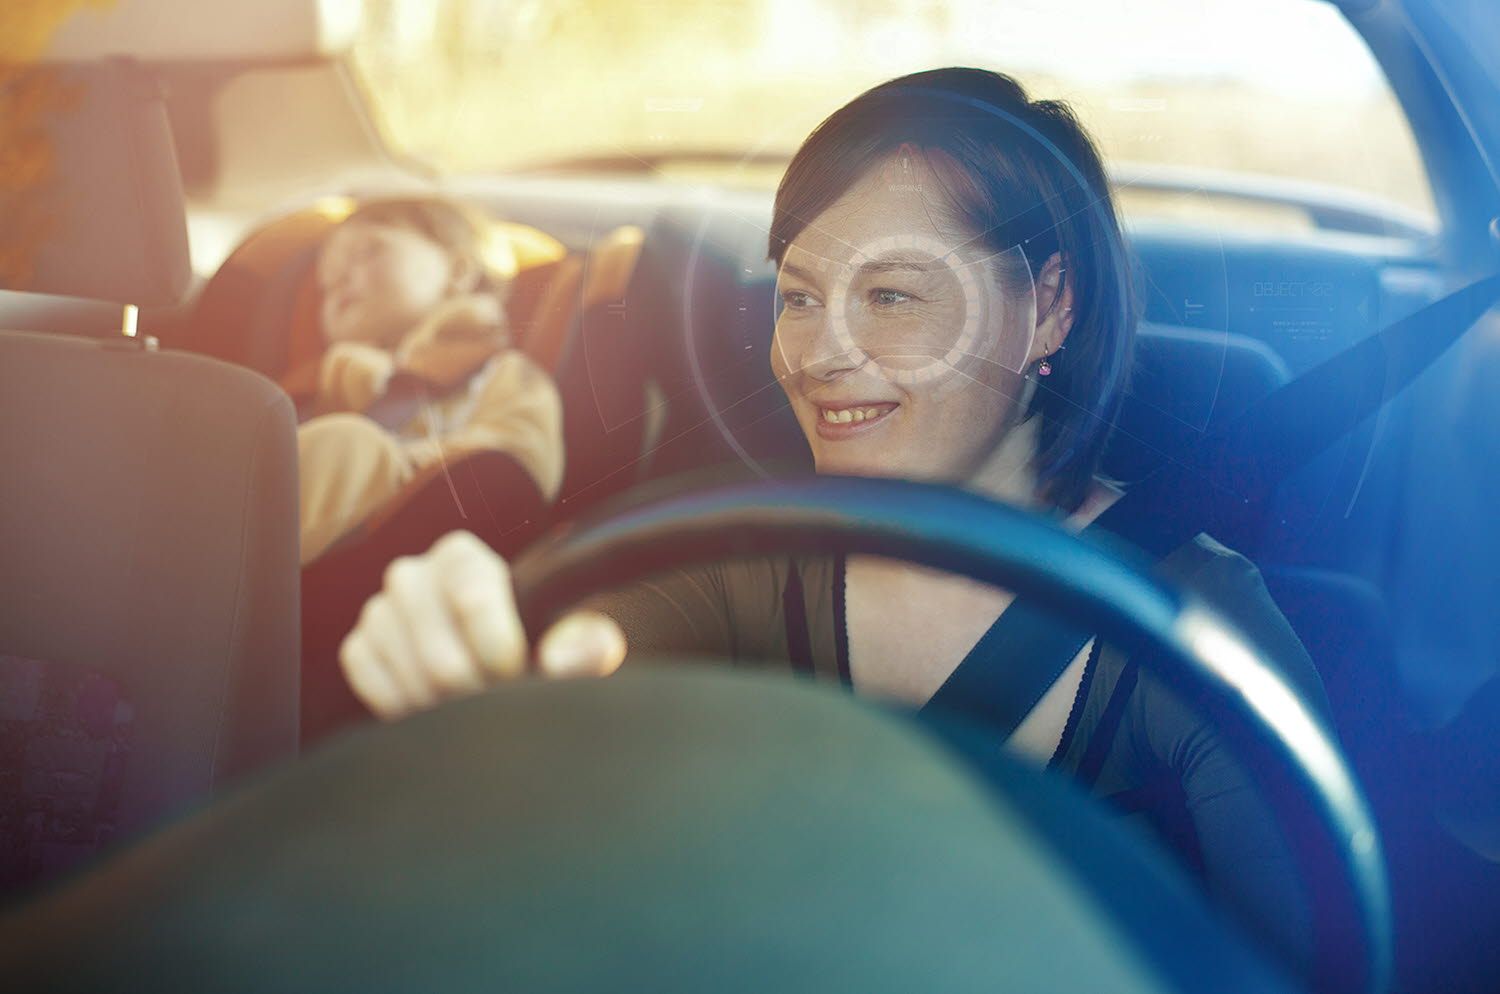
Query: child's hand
{"x": 353, "y": 375}
{"x": 452, "y": 344}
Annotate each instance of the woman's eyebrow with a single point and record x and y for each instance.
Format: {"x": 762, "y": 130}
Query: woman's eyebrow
{"x": 797, "y": 272}
{"x": 891, "y": 264}
{"x": 895, "y": 264}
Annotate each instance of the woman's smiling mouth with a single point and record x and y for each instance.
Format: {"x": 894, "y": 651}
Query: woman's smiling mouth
{"x": 842, "y": 421}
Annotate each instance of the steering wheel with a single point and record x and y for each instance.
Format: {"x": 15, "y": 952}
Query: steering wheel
{"x": 1183, "y": 642}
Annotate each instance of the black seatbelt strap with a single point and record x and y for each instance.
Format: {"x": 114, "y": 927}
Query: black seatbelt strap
{"x": 404, "y": 396}
{"x": 1027, "y": 649}
{"x": 1246, "y": 460}
{"x": 1011, "y": 666}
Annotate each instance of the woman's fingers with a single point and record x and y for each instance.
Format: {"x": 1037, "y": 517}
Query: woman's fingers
{"x": 429, "y": 635}
{"x": 476, "y": 593}
{"x": 367, "y": 676}
{"x": 390, "y": 643}
{"x": 584, "y": 643}
{"x": 445, "y": 624}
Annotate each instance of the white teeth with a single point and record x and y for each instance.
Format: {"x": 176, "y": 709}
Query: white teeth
{"x": 851, "y": 414}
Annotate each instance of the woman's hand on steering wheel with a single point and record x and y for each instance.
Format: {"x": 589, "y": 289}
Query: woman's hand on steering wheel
{"x": 445, "y": 625}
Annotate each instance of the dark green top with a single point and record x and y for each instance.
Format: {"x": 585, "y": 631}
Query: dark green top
{"x": 1130, "y": 738}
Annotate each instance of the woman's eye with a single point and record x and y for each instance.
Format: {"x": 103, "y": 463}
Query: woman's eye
{"x": 796, "y": 299}
{"x": 886, "y": 297}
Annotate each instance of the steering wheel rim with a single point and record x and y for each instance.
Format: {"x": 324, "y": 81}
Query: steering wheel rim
{"x": 1187, "y": 645}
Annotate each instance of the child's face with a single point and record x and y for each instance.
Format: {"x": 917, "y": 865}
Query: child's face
{"x": 379, "y": 281}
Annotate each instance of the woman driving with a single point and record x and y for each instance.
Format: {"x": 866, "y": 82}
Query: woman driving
{"x": 954, "y": 307}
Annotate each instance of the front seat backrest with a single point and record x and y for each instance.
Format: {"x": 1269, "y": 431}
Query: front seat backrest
{"x": 1185, "y": 383}
{"x": 148, "y": 522}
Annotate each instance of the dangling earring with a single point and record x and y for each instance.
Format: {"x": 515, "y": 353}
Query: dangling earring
{"x": 1045, "y": 369}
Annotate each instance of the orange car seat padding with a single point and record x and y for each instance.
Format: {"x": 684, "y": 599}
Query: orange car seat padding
{"x": 554, "y": 316}
{"x": 611, "y": 266}
{"x": 227, "y": 310}
{"x": 532, "y": 247}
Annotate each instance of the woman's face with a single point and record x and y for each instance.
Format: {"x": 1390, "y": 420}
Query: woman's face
{"x": 379, "y": 281}
{"x": 899, "y": 351}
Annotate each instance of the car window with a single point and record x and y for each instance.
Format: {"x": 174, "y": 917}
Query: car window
{"x": 1277, "y": 89}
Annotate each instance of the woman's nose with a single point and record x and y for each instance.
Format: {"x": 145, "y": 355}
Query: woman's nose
{"x": 827, "y": 355}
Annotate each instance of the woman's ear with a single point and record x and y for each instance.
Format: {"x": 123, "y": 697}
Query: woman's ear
{"x": 1054, "y": 307}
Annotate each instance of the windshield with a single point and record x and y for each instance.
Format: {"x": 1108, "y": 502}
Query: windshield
{"x": 1278, "y": 89}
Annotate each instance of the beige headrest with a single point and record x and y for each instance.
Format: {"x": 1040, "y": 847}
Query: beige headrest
{"x": 92, "y": 199}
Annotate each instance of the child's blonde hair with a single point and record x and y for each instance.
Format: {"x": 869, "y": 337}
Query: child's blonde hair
{"x": 458, "y": 228}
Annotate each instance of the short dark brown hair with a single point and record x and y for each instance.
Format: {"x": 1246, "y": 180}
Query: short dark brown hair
{"x": 1023, "y": 174}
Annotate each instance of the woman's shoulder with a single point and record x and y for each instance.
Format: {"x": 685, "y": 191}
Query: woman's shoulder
{"x": 1231, "y": 584}
{"x": 1204, "y": 559}
{"x": 1227, "y": 580}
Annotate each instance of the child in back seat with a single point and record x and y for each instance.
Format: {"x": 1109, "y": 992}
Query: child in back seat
{"x": 419, "y": 365}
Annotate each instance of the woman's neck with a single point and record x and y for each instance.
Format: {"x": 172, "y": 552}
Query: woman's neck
{"x": 1008, "y": 473}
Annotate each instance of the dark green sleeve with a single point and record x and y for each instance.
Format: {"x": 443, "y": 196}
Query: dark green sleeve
{"x": 1232, "y": 585}
{"x": 1246, "y": 859}
{"x": 729, "y": 611}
